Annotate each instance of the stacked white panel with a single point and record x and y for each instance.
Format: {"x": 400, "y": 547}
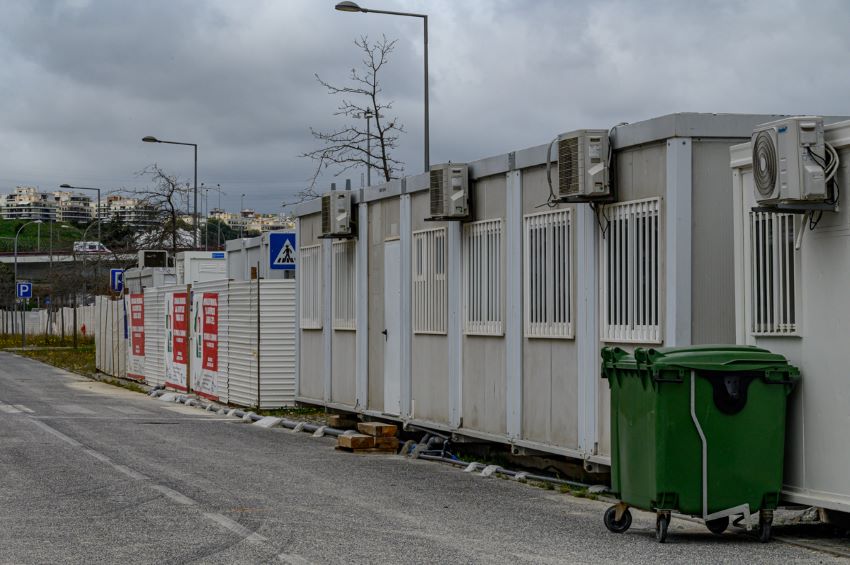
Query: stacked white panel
{"x": 154, "y": 336}
{"x": 276, "y": 352}
{"x": 277, "y": 347}
{"x": 110, "y": 345}
{"x": 242, "y": 343}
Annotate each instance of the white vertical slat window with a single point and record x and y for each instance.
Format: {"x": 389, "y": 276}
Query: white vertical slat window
{"x": 429, "y": 281}
{"x": 772, "y": 272}
{"x": 345, "y": 285}
{"x": 631, "y": 273}
{"x": 310, "y": 271}
{"x": 547, "y": 264}
{"x": 482, "y": 278}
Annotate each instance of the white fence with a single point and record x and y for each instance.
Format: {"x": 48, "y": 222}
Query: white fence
{"x": 241, "y": 340}
{"x": 50, "y": 321}
{"x": 110, "y": 336}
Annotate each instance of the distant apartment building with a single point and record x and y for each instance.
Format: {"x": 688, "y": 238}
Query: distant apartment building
{"x": 249, "y": 220}
{"x": 28, "y": 203}
{"x": 130, "y": 211}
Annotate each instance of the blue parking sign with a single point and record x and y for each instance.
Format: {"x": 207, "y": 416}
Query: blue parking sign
{"x": 24, "y": 289}
{"x": 116, "y": 280}
{"x": 282, "y": 251}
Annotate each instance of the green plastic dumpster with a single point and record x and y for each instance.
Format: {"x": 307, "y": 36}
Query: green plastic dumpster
{"x": 697, "y": 430}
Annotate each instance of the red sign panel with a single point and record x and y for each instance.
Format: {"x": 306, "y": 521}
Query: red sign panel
{"x": 180, "y": 336}
{"x": 137, "y": 324}
{"x": 210, "y": 329}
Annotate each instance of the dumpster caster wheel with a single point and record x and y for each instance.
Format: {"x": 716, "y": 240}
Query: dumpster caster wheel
{"x": 661, "y": 524}
{"x": 618, "y": 527}
{"x": 717, "y": 526}
{"x": 765, "y": 528}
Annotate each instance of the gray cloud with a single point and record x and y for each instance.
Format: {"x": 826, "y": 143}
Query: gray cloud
{"x": 84, "y": 80}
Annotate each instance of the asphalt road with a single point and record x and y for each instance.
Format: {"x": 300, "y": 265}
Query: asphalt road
{"x": 91, "y": 473}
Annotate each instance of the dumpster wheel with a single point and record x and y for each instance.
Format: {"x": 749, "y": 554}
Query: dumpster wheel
{"x": 765, "y": 525}
{"x": 662, "y": 521}
{"x": 614, "y": 525}
{"x": 718, "y": 525}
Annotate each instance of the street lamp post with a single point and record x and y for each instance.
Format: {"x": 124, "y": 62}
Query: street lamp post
{"x": 368, "y": 114}
{"x": 23, "y": 311}
{"x": 353, "y": 7}
{"x": 152, "y": 139}
{"x": 98, "y": 204}
{"x": 241, "y": 216}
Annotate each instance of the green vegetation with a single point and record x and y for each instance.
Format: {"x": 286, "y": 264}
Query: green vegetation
{"x": 64, "y": 236}
{"x": 9, "y": 341}
{"x": 80, "y": 360}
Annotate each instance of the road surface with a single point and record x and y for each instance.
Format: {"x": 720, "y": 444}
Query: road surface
{"x": 91, "y": 473}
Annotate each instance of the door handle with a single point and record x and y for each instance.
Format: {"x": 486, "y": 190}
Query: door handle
{"x": 386, "y": 336}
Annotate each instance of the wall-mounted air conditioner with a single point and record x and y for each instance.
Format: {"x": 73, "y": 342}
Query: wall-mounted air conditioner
{"x": 449, "y": 192}
{"x": 336, "y": 215}
{"x": 789, "y": 157}
{"x": 583, "y": 166}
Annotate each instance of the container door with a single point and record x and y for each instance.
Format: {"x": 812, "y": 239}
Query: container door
{"x": 392, "y": 328}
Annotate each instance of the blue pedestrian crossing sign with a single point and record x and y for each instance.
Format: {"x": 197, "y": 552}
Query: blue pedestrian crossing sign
{"x": 24, "y": 289}
{"x": 116, "y": 280}
{"x": 282, "y": 251}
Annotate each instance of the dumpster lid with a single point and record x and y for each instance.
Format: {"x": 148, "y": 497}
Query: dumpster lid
{"x": 717, "y": 358}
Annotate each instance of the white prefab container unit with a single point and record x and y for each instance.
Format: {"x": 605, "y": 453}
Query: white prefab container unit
{"x": 200, "y": 266}
{"x": 137, "y": 279}
{"x": 264, "y": 346}
{"x": 790, "y": 283}
{"x": 492, "y": 328}
{"x": 242, "y": 254}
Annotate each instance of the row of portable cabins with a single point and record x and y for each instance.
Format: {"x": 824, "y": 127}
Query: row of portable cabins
{"x": 232, "y": 341}
{"x": 492, "y": 328}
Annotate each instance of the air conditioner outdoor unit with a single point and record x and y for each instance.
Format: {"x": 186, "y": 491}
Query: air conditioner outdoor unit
{"x": 788, "y": 162}
{"x": 449, "y": 192}
{"x": 583, "y": 166}
{"x": 336, "y": 215}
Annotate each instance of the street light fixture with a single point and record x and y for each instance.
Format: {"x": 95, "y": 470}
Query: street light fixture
{"x": 152, "y": 139}
{"x": 16, "y": 248}
{"x": 98, "y": 203}
{"x": 353, "y": 7}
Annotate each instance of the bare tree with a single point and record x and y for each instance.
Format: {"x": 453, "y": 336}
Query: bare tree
{"x": 352, "y": 145}
{"x": 163, "y": 199}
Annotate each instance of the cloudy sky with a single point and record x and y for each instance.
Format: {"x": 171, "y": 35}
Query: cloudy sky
{"x": 82, "y": 81}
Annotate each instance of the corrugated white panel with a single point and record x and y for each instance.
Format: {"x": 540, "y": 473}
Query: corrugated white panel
{"x": 276, "y": 349}
{"x": 277, "y": 346}
{"x": 242, "y": 343}
{"x": 154, "y": 336}
{"x": 222, "y": 287}
{"x": 110, "y": 345}
{"x": 344, "y": 285}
